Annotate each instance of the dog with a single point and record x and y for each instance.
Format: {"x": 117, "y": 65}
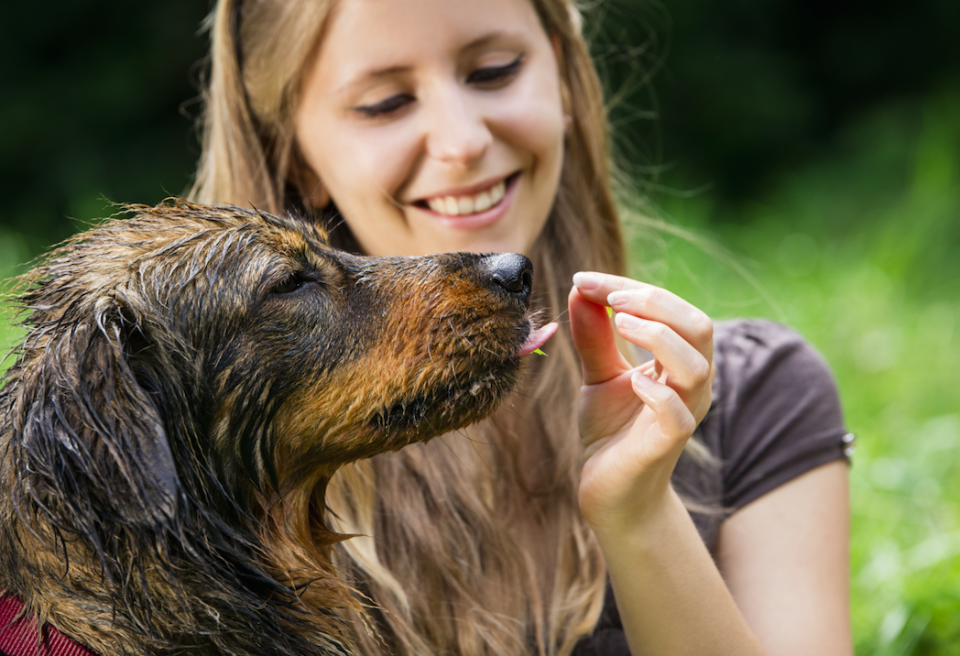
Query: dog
{"x": 191, "y": 378}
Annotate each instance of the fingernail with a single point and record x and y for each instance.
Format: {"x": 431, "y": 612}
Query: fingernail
{"x": 619, "y": 299}
{"x": 586, "y": 281}
{"x": 641, "y": 380}
{"x": 628, "y": 321}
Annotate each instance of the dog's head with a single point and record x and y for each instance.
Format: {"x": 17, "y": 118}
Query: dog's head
{"x": 188, "y": 364}
{"x": 248, "y": 341}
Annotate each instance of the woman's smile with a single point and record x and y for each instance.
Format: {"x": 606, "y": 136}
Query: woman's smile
{"x": 464, "y": 209}
{"x": 455, "y": 202}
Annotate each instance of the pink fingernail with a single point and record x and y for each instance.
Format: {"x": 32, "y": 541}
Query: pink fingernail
{"x": 617, "y": 299}
{"x": 628, "y": 321}
{"x": 641, "y": 380}
{"x": 586, "y": 281}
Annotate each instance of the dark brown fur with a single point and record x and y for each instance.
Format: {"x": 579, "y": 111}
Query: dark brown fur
{"x": 191, "y": 378}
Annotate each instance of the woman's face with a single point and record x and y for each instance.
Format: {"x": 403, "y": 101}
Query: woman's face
{"x": 435, "y": 125}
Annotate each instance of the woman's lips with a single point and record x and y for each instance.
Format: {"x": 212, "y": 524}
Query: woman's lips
{"x": 498, "y": 195}
{"x": 468, "y": 204}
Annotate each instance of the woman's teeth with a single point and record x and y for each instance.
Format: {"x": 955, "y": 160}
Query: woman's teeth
{"x": 456, "y": 206}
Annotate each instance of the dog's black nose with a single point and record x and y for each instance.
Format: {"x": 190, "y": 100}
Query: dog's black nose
{"x": 511, "y": 272}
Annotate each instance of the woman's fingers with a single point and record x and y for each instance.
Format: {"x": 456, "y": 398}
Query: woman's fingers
{"x": 649, "y": 302}
{"x": 676, "y": 421}
{"x": 678, "y": 334}
{"x": 594, "y": 339}
{"x": 687, "y": 369}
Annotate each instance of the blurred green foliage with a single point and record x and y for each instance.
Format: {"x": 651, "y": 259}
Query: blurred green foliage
{"x": 805, "y": 156}
{"x": 93, "y": 106}
{"x": 854, "y": 250}
{"x": 747, "y": 90}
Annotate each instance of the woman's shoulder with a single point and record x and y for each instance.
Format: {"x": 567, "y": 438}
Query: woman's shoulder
{"x": 776, "y": 411}
{"x": 745, "y": 347}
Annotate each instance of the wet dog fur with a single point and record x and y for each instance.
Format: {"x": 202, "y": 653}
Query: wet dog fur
{"x": 191, "y": 378}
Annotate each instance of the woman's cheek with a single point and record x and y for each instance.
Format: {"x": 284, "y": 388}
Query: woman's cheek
{"x": 386, "y": 156}
{"x": 364, "y": 177}
{"x": 533, "y": 123}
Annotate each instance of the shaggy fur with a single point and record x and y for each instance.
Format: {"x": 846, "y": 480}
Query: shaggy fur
{"x": 191, "y": 379}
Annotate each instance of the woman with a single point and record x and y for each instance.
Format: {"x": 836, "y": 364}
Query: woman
{"x": 420, "y": 126}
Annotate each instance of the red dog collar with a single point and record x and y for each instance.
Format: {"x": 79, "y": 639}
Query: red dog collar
{"x": 19, "y": 635}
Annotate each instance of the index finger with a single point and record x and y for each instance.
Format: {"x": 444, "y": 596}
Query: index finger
{"x": 593, "y": 338}
{"x": 596, "y": 286}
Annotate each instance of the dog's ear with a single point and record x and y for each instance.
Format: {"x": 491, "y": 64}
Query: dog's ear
{"x": 92, "y": 444}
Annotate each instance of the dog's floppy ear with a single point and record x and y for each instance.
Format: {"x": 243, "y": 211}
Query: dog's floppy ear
{"x": 92, "y": 445}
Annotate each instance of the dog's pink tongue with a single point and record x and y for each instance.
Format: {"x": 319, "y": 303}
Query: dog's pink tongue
{"x": 537, "y": 339}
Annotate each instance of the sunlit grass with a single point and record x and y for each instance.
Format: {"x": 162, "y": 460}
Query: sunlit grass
{"x": 13, "y": 255}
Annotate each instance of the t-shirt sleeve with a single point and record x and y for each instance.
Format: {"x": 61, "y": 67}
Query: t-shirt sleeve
{"x": 778, "y": 412}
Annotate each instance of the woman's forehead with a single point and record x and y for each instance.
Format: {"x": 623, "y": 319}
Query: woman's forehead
{"x": 373, "y": 37}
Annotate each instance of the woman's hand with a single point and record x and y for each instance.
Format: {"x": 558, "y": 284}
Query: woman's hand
{"x": 635, "y": 421}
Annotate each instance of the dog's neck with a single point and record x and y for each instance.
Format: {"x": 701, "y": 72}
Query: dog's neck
{"x": 299, "y": 544}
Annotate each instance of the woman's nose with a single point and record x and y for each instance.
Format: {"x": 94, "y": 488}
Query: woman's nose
{"x": 457, "y": 132}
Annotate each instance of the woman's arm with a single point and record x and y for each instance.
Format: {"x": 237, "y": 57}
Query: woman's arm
{"x": 670, "y": 594}
{"x": 785, "y": 558}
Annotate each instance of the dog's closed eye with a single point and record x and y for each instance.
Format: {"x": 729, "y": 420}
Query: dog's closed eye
{"x": 291, "y": 283}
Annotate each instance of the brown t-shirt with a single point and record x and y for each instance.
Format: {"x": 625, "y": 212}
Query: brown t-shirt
{"x": 775, "y": 415}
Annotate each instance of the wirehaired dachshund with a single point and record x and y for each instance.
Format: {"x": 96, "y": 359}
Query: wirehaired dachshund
{"x": 191, "y": 378}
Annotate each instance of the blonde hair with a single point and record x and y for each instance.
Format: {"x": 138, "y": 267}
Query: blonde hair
{"x": 471, "y": 543}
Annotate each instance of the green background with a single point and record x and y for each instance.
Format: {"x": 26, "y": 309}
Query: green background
{"x": 802, "y": 158}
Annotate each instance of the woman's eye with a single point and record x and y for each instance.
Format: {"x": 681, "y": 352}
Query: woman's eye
{"x": 290, "y": 283}
{"x": 495, "y": 73}
{"x": 384, "y": 107}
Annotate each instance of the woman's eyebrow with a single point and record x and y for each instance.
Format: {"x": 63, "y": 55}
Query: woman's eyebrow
{"x": 389, "y": 71}
{"x": 507, "y": 37}
{"x": 482, "y": 41}
{"x": 370, "y": 74}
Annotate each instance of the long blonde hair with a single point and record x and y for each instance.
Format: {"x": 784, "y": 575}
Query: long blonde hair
{"x": 471, "y": 543}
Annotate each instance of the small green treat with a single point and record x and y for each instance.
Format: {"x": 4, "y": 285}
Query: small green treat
{"x": 609, "y": 311}
{"x": 539, "y": 352}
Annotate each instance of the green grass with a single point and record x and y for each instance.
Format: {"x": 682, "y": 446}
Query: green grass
{"x": 856, "y": 251}
{"x": 13, "y": 253}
